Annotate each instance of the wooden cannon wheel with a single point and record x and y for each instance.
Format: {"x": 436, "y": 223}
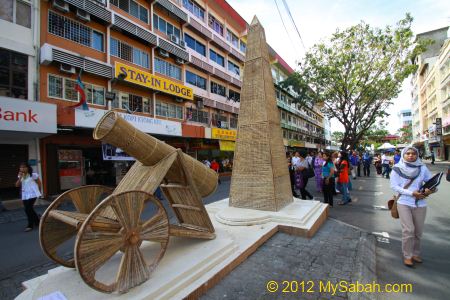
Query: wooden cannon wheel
{"x": 74, "y": 205}
{"x": 98, "y": 241}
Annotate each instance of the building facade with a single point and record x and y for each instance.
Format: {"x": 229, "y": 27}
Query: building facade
{"x": 23, "y": 118}
{"x": 430, "y": 96}
{"x": 171, "y": 68}
{"x": 405, "y": 117}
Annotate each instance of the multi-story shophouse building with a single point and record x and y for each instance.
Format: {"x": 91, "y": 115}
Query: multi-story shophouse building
{"x": 172, "y": 68}
{"x": 430, "y": 96}
{"x": 23, "y": 119}
{"x": 303, "y": 126}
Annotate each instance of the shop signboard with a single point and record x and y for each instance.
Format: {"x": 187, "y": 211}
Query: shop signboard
{"x": 146, "y": 79}
{"x": 223, "y": 134}
{"x": 295, "y": 143}
{"x": 70, "y": 163}
{"x": 27, "y": 116}
{"x": 227, "y": 145}
{"x": 439, "y": 126}
{"x": 89, "y": 119}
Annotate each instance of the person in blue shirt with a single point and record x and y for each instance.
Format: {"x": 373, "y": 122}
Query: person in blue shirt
{"x": 397, "y": 157}
{"x": 328, "y": 179}
{"x": 354, "y": 161}
{"x": 367, "y": 161}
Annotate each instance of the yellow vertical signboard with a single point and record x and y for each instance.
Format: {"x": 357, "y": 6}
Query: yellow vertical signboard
{"x": 137, "y": 76}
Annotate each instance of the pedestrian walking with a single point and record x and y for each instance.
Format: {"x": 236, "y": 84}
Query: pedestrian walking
{"x": 328, "y": 179}
{"x": 377, "y": 163}
{"x": 354, "y": 161}
{"x": 343, "y": 179}
{"x": 359, "y": 165}
{"x": 367, "y": 161}
{"x": 301, "y": 175}
{"x": 291, "y": 169}
{"x": 408, "y": 176}
{"x": 215, "y": 166}
{"x": 318, "y": 163}
{"x": 335, "y": 159}
{"x": 386, "y": 163}
{"x": 397, "y": 157}
{"x": 432, "y": 157}
{"x": 30, "y": 187}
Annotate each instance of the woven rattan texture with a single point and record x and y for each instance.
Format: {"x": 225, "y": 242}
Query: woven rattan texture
{"x": 260, "y": 175}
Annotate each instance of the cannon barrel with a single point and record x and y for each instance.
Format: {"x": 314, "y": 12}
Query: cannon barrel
{"x": 148, "y": 150}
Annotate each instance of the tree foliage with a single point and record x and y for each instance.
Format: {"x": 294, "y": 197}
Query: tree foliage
{"x": 405, "y": 134}
{"x": 356, "y": 74}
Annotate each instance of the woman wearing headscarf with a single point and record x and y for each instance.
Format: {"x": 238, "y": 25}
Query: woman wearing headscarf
{"x": 411, "y": 204}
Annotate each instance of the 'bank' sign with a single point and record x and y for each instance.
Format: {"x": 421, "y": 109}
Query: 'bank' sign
{"x": 27, "y": 116}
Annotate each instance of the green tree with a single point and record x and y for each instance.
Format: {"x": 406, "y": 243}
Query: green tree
{"x": 337, "y": 136}
{"x": 405, "y": 134}
{"x": 356, "y": 74}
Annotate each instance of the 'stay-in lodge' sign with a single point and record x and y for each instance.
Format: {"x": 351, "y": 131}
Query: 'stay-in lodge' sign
{"x": 146, "y": 79}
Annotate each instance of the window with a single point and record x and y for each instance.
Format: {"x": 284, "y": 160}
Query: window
{"x": 74, "y": 31}
{"x": 217, "y": 58}
{"x": 16, "y": 11}
{"x": 129, "y": 53}
{"x": 235, "y": 96}
{"x": 64, "y": 88}
{"x": 131, "y": 102}
{"x": 196, "y": 115}
{"x": 219, "y": 120}
{"x": 165, "y": 27}
{"x": 195, "y": 45}
{"x": 164, "y": 109}
{"x": 196, "y": 80}
{"x": 218, "y": 89}
{"x": 13, "y": 74}
{"x": 133, "y": 8}
{"x": 234, "y": 68}
{"x": 215, "y": 25}
{"x": 233, "y": 121}
{"x": 232, "y": 38}
{"x": 243, "y": 46}
{"x": 168, "y": 69}
{"x": 195, "y": 9}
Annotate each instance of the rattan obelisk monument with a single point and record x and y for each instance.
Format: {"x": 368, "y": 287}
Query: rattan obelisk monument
{"x": 260, "y": 177}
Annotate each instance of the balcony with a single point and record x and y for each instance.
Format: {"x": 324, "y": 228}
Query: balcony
{"x": 197, "y": 62}
{"x": 137, "y": 32}
{"x": 171, "y": 48}
{"x": 199, "y": 28}
{"x": 94, "y": 8}
{"x": 237, "y": 55}
{"x": 220, "y": 42}
{"x": 222, "y": 75}
{"x": 172, "y": 9}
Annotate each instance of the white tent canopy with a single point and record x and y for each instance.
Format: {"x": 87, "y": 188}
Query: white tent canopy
{"x": 386, "y": 146}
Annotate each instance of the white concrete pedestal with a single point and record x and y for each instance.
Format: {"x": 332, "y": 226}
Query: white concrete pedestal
{"x": 191, "y": 266}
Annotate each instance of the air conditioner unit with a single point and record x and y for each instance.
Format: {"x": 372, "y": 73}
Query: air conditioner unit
{"x": 163, "y": 53}
{"x": 174, "y": 39}
{"x": 61, "y": 5}
{"x": 67, "y": 69}
{"x": 179, "y": 61}
{"x": 83, "y": 15}
{"x": 182, "y": 44}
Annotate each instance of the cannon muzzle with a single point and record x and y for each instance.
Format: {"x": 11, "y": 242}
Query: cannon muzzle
{"x": 148, "y": 150}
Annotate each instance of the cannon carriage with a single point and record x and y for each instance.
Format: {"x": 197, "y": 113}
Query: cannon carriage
{"x": 121, "y": 234}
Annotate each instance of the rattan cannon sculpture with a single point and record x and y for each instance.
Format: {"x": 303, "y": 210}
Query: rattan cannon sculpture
{"x": 120, "y": 235}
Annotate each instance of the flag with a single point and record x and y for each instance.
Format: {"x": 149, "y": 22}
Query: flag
{"x": 79, "y": 87}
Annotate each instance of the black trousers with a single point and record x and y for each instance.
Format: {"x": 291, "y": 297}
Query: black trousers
{"x": 32, "y": 216}
{"x": 366, "y": 169}
{"x": 303, "y": 190}
{"x": 359, "y": 169}
{"x": 328, "y": 191}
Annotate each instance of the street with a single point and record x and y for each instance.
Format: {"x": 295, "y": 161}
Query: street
{"x": 23, "y": 259}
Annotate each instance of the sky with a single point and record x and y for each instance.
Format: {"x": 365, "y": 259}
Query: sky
{"x": 318, "y": 20}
